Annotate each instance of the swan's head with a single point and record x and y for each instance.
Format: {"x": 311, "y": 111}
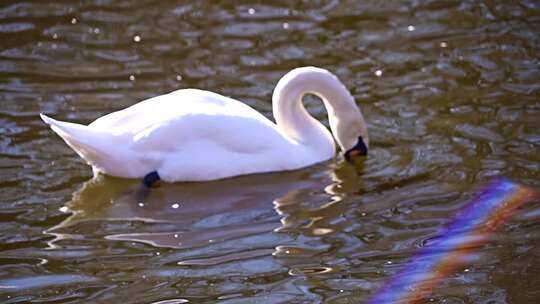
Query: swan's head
{"x": 350, "y": 131}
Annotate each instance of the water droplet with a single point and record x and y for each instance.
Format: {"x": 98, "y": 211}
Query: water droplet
{"x": 137, "y": 38}
{"x": 55, "y": 36}
{"x": 378, "y": 73}
{"x": 285, "y": 25}
{"x": 63, "y": 209}
{"x": 410, "y": 28}
{"x": 179, "y": 77}
{"x": 251, "y": 11}
{"x": 444, "y": 44}
{"x": 132, "y": 77}
{"x": 175, "y": 205}
{"x": 73, "y": 20}
{"x": 96, "y": 31}
{"x": 141, "y": 204}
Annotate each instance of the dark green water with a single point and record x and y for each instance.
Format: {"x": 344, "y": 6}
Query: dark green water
{"x": 450, "y": 90}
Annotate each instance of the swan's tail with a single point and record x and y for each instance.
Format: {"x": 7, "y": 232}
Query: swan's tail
{"x": 87, "y": 142}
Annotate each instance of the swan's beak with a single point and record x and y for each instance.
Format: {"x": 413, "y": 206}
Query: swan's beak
{"x": 360, "y": 149}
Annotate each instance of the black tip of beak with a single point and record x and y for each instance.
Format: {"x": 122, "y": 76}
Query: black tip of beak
{"x": 359, "y": 149}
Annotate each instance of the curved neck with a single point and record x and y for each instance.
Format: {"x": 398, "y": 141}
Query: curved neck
{"x": 293, "y": 119}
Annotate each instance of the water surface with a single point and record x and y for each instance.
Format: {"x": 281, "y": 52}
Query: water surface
{"x": 450, "y": 91}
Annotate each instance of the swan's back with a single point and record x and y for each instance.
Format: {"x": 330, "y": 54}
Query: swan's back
{"x": 175, "y": 105}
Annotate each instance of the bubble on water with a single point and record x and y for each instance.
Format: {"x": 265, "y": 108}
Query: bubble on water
{"x": 132, "y": 77}
{"x": 378, "y": 73}
{"x": 175, "y": 235}
{"x": 96, "y": 30}
{"x": 410, "y": 28}
{"x": 251, "y": 11}
{"x": 63, "y": 209}
{"x": 175, "y": 206}
{"x": 444, "y": 44}
{"x": 73, "y": 20}
{"x": 141, "y": 204}
{"x": 179, "y": 77}
{"x": 285, "y": 25}
{"x": 137, "y": 38}
{"x": 55, "y": 36}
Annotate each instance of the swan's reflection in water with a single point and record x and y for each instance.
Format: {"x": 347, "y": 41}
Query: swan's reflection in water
{"x": 254, "y": 212}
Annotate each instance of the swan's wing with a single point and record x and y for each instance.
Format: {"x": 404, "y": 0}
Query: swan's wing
{"x": 163, "y": 109}
{"x": 220, "y": 132}
{"x": 186, "y": 118}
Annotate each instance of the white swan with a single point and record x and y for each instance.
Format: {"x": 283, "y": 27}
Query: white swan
{"x": 195, "y": 135}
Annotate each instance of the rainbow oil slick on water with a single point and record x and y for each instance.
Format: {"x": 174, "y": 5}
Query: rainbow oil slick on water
{"x": 455, "y": 243}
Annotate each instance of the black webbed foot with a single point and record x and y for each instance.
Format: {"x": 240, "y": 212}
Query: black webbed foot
{"x": 151, "y": 179}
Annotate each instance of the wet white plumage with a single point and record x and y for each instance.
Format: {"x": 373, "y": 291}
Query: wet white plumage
{"x": 195, "y": 135}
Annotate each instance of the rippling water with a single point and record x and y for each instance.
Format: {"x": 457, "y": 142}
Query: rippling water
{"x": 450, "y": 91}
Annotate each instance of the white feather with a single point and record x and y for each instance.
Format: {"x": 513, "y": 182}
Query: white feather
{"x": 195, "y": 135}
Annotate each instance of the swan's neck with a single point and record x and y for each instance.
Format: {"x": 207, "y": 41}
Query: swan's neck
{"x": 294, "y": 120}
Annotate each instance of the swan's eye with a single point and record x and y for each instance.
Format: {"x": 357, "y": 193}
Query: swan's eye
{"x": 359, "y": 149}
